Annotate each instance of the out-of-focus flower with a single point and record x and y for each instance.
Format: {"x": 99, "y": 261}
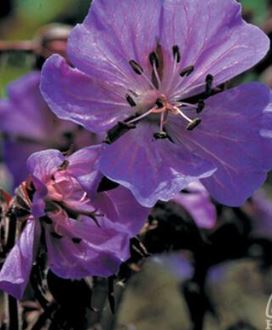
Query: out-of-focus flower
{"x": 197, "y": 202}
{"x": 149, "y": 77}
{"x": 29, "y": 126}
{"x": 86, "y": 233}
{"x": 259, "y": 208}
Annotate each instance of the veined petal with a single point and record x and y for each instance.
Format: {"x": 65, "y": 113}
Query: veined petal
{"x": 151, "y": 169}
{"x": 229, "y": 136}
{"x": 83, "y": 165}
{"x": 92, "y": 103}
{"x": 44, "y": 163}
{"x": 122, "y": 209}
{"x": 99, "y": 252}
{"x": 212, "y": 36}
{"x": 15, "y": 272}
{"x": 102, "y": 47}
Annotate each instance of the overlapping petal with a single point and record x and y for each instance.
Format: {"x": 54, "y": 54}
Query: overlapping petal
{"x": 100, "y": 251}
{"x": 212, "y": 36}
{"x": 151, "y": 169}
{"x": 72, "y": 95}
{"x": 229, "y": 136}
{"x": 83, "y": 165}
{"x": 44, "y": 163}
{"x": 102, "y": 47}
{"x": 122, "y": 209}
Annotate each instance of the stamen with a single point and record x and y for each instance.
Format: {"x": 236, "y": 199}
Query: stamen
{"x": 183, "y": 115}
{"x": 187, "y": 71}
{"x": 76, "y": 240}
{"x": 141, "y": 116}
{"x": 154, "y": 60}
{"x": 56, "y": 235}
{"x": 160, "y": 135}
{"x": 162, "y": 121}
{"x": 193, "y": 124}
{"x": 209, "y": 82}
{"x": 136, "y": 67}
{"x": 117, "y": 131}
{"x": 130, "y": 101}
{"x": 176, "y": 53}
{"x": 200, "y": 106}
{"x": 187, "y": 105}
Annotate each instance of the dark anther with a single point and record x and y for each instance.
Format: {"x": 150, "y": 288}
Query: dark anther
{"x": 153, "y": 59}
{"x": 130, "y": 100}
{"x": 194, "y": 124}
{"x": 76, "y": 240}
{"x": 159, "y": 103}
{"x": 200, "y": 106}
{"x": 64, "y": 165}
{"x": 209, "y": 81}
{"x": 46, "y": 219}
{"x": 136, "y": 67}
{"x": 162, "y": 135}
{"x": 117, "y": 131}
{"x": 56, "y": 235}
{"x": 187, "y": 71}
{"x": 176, "y": 53}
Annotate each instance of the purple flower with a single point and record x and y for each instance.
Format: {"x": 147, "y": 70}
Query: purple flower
{"x": 86, "y": 233}
{"x": 148, "y": 76}
{"x": 29, "y": 126}
{"x": 259, "y": 207}
{"x": 196, "y": 201}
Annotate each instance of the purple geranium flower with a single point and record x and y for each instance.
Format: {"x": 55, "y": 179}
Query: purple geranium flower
{"x": 29, "y": 126}
{"x": 197, "y": 202}
{"x": 86, "y": 233}
{"x": 148, "y": 76}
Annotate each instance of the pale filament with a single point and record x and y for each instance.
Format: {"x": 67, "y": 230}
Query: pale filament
{"x": 157, "y": 75}
{"x": 164, "y": 110}
{"x": 148, "y": 80}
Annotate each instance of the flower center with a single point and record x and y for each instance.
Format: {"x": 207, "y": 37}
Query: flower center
{"x": 154, "y": 105}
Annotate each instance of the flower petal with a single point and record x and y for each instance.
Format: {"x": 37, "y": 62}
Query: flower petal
{"x": 83, "y": 165}
{"x": 151, "y": 169}
{"x": 74, "y": 96}
{"x": 15, "y": 272}
{"x": 213, "y": 37}
{"x": 122, "y": 209}
{"x": 131, "y": 33}
{"x": 229, "y": 136}
{"x": 199, "y": 205}
{"x": 44, "y": 163}
{"x": 99, "y": 253}
{"x": 25, "y": 113}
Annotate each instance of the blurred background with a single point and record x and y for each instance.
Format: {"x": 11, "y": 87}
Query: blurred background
{"x": 153, "y": 299}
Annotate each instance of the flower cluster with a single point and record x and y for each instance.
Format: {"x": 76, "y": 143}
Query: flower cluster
{"x": 147, "y": 78}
